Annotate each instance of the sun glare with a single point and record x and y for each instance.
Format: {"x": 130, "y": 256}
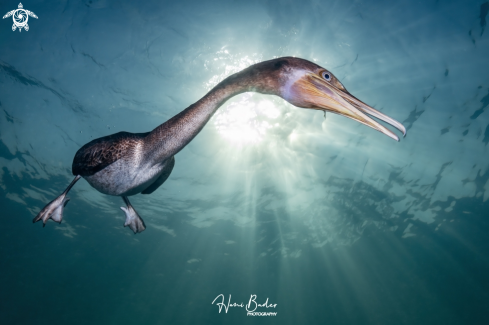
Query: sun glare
{"x": 246, "y": 118}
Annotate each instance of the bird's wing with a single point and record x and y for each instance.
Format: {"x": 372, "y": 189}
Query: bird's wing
{"x": 8, "y": 14}
{"x": 163, "y": 177}
{"x": 100, "y": 153}
{"x": 30, "y": 13}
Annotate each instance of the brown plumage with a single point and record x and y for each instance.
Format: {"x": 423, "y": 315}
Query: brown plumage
{"x": 100, "y": 153}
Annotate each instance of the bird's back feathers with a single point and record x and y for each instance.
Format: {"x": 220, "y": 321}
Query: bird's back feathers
{"x": 101, "y": 152}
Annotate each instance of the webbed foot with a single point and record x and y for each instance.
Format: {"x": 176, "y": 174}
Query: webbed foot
{"x": 53, "y": 210}
{"x": 133, "y": 220}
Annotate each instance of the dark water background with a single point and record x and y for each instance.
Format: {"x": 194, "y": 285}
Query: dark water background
{"x": 330, "y": 220}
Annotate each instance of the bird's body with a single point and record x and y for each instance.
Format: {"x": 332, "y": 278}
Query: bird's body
{"x": 117, "y": 164}
{"x": 128, "y": 176}
{"x": 126, "y": 164}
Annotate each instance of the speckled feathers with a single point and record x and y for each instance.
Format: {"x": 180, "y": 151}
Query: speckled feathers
{"x": 101, "y": 152}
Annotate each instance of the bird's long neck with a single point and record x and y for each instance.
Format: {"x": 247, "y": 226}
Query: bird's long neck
{"x": 170, "y": 137}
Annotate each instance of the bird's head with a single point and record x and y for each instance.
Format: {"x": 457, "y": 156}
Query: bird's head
{"x": 305, "y": 84}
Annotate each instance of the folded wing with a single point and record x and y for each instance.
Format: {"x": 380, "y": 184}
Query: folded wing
{"x": 101, "y": 152}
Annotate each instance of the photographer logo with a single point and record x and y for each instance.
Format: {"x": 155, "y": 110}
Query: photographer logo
{"x": 253, "y": 308}
{"x": 20, "y": 17}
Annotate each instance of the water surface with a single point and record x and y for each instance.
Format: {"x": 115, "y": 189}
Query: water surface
{"x": 329, "y": 219}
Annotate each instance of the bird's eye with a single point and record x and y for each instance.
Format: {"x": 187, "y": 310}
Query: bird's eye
{"x": 326, "y": 76}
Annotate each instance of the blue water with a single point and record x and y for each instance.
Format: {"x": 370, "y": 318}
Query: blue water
{"x": 330, "y": 220}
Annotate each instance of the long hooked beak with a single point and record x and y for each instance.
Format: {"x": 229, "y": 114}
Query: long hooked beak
{"x": 320, "y": 94}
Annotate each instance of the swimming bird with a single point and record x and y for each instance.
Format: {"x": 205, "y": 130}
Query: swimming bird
{"x": 125, "y": 164}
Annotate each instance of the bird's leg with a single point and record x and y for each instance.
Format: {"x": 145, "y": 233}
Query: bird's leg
{"x": 54, "y": 209}
{"x": 133, "y": 220}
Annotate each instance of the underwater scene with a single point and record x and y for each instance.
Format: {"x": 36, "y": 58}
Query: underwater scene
{"x": 244, "y": 162}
